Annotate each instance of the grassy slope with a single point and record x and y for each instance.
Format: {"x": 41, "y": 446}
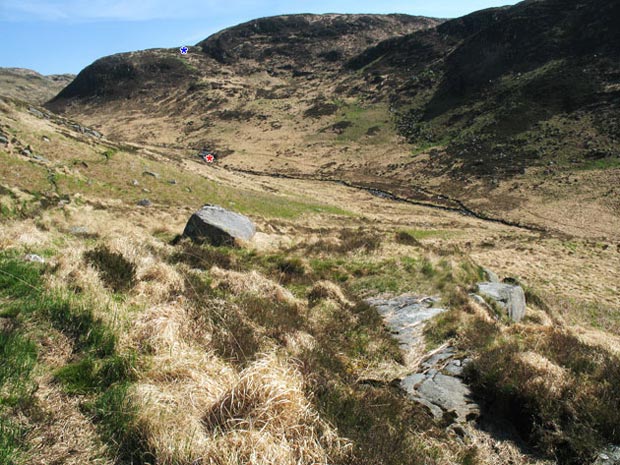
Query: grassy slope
{"x": 172, "y": 345}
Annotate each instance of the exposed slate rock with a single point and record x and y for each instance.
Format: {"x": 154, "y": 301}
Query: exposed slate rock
{"x": 437, "y": 381}
{"x": 508, "y": 296}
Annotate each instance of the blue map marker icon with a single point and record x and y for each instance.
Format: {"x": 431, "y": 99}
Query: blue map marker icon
{"x": 184, "y": 50}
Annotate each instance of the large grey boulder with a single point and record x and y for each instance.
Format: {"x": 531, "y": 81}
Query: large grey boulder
{"x": 508, "y": 296}
{"x": 218, "y": 226}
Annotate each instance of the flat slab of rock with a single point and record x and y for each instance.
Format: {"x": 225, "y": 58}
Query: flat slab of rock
{"x": 404, "y": 316}
{"x": 508, "y": 296}
{"x": 435, "y": 381}
{"x": 439, "y": 386}
{"x": 451, "y": 395}
{"x": 218, "y": 226}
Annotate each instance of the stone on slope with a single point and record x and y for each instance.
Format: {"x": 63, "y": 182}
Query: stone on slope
{"x": 451, "y": 394}
{"x": 608, "y": 456}
{"x": 218, "y": 226}
{"x": 405, "y": 315}
{"x": 33, "y": 258}
{"x": 436, "y": 380}
{"x": 79, "y": 230}
{"x": 490, "y": 276}
{"x": 508, "y": 296}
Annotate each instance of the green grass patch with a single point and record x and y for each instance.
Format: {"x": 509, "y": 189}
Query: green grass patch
{"x": 19, "y": 356}
{"x": 116, "y": 414}
{"x": 109, "y": 154}
{"x": 92, "y": 374}
{"x": 421, "y": 234}
{"x": 370, "y": 123}
{"x": 12, "y": 442}
{"x": 31, "y": 312}
{"x": 443, "y": 327}
{"x": 18, "y": 279}
{"x": 602, "y": 164}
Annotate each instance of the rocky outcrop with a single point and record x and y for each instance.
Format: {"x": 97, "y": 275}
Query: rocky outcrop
{"x": 436, "y": 378}
{"x": 404, "y": 315}
{"x": 304, "y": 38}
{"x": 509, "y": 297}
{"x": 439, "y": 386}
{"x": 608, "y": 456}
{"x": 219, "y": 226}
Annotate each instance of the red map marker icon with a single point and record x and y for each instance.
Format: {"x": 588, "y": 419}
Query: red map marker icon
{"x": 209, "y": 158}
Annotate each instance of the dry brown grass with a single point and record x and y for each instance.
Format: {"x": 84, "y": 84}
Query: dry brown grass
{"x": 194, "y": 408}
{"x": 269, "y": 400}
{"x": 545, "y": 375}
{"x": 197, "y": 403}
{"x": 328, "y": 290}
{"x": 66, "y": 435}
{"x": 250, "y": 283}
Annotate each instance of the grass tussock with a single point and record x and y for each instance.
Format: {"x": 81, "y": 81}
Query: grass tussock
{"x": 269, "y": 397}
{"x": 115, "y": 270}
{"x": 347, "y": 241}
{"x": 563, "y": 395}
{"x": 407, "y": 238}
{"x": 328, "y": 290}
{"x": 204, "y": 256}
{"x": 250, "y": 283}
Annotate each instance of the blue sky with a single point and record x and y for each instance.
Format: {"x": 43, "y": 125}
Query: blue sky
{"x": 64, "y": 36}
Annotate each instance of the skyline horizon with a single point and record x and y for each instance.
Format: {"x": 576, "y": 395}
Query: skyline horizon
{"x": 76, "y": 33}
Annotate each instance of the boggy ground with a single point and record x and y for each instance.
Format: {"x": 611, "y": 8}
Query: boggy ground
{"x": 265, "y": 353}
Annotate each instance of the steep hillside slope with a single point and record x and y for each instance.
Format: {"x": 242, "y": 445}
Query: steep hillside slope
{"x": 512, "y": 111}
{"x": 31, "y": 86}
{"x": 524, "y": 86}
{"x": 307, "y": 44}
{"x": 295, "y": 46}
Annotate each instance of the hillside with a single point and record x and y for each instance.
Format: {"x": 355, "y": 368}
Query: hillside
{"x": 128, "y": 346}
{"x": 532, "y": 87}
{"x": 31, "y": 86}
{"x": 409, "y": 248}
{"x": 505, "y": 110}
